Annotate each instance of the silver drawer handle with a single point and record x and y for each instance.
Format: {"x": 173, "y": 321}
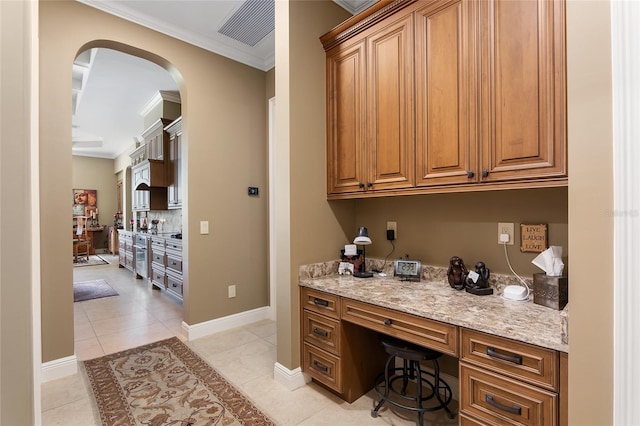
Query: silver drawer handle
{"x": 319, "y": 332}
{"x": 320, "y": 302}
{"x": 516, "y": 359}
{"x": 513, "y": 410}
{"x": 320, "y": 367}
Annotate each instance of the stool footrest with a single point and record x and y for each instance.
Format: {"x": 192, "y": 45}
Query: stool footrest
{"x": 411, "y": 373}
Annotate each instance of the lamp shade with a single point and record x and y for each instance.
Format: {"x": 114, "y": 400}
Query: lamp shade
{"x": 363, "y": 237}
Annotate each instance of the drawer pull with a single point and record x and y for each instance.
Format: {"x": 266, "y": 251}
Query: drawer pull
{"x": 516, "y": 359}
{"x": 320, "y": 302}
{"x": 513, "y": 410}
{"x": 387, "y": 321}
{"x": 319, "y": 332}
{"x": 320, "y": 367}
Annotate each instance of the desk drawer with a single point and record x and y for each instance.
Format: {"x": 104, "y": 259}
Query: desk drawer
{"x": 322, "y": 331}
{"x": 498, "y": 400}
{"x": 522, "y": 361}
{"x": 422, "y": 331}
{"x": 320, "y": 302}
{"x": 322, "y": 366}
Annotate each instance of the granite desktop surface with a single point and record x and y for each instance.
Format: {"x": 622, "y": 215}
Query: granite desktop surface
{"x": 436, "y": 300}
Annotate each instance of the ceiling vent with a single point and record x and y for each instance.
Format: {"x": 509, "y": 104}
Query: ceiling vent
{"x": 252, "y": 22}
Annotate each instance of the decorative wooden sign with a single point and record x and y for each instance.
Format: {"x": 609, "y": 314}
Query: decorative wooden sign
{"x": 533, "y": 238}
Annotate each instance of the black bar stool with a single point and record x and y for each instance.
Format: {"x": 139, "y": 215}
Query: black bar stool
{"x": 411, "y": 356}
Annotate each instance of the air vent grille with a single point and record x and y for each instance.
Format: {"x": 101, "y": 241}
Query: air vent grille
{"x": 251, "y": 22}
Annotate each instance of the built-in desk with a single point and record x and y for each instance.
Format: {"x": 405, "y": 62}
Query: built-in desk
{"x": 512, "y": 358}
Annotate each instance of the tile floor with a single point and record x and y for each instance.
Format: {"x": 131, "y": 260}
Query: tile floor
{"x": 245, "y": 356}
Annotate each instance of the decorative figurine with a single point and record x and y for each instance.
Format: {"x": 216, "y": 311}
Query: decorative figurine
{"x": 457, "y": 273}
{"x": 477, "y": 282}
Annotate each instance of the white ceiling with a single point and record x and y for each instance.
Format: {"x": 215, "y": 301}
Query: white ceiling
{"x": 112, "y": 88}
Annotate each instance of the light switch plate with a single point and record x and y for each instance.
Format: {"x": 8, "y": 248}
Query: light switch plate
{"x": 204, "y": 227}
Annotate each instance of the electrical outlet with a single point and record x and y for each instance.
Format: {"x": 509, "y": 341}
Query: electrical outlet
{"x": 505, "y": 229}
{"x": 232, "y": 291}
{"x": 393, "y": 226}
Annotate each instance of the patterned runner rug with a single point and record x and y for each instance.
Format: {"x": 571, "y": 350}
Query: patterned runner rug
{"x": 166, "y": 383}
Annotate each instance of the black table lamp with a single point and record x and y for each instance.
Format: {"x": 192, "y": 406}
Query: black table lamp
{"x": 363, "y": 239}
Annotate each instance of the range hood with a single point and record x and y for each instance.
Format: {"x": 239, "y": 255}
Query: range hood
{"x": 149, "y": 174}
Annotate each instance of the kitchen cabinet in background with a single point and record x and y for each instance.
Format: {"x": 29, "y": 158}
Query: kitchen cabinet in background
{"x": 166, "y": 264}
{"x": 125, "y": 250}
{"x": 149, "y": 169}
{"x": 174, "y": 191}
{"x": 113, "y": 240}
{"x": 488, "y": 102}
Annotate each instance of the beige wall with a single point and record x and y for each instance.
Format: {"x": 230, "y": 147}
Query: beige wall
{"x": 16, "y": 225}
{"x": 590, "y": 218}
{"x": 316, "y": 228}
{"x": 97, "y": 173}
{"x": 434, "y": 227}
{"x": 224, "y": 110}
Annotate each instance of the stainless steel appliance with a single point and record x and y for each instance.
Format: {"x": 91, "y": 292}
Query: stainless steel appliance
{"x": 141, "y": 255}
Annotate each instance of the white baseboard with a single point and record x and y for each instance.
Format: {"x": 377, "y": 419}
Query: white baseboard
{"x": 59, "y": 368}
{"x": 226, "y": 323}
{"x": 290, "y": 379}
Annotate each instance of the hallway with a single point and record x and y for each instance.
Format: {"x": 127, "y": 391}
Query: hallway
{"x": 138, "y": 315}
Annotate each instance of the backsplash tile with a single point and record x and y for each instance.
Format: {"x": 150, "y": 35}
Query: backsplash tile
{"x": 429, "y": 273}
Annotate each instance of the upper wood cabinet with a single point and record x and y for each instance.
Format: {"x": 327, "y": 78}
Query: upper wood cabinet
{"x": 370, "y": 110}
{"x": 523, "y": 112}
{"x": 446, "y": 145}
{"x": 446, "y": 95}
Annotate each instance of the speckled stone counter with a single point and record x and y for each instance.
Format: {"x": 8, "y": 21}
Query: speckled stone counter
{"x": 433, "y": 298}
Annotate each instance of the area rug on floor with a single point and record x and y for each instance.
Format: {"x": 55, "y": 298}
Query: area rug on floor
{"x": 94, "y": 289}
{"x": 94, "y": 260}
{"x": 166, "y": 383}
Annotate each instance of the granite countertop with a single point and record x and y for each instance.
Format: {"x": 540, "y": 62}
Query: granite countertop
{"x": 436, "y": 300}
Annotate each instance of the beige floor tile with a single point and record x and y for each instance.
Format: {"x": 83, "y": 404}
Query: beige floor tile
{"x": 123, "y": 323}
{"x": 88, "y": 349}
{"x": 138, "y": 336}
{"x": 224, "y": 341}
{"x": 83, "y": 330}
{"x": 244, "y": 363}
{"x": 77, "y": 413}
{"x": 262, "y": 329}
{"x": 66, "y": 390}
{"x": 287, "y": 407}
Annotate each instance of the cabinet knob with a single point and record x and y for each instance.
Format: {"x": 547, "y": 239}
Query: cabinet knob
{"x": 369, "y": 184}
{"x": 361, "y": 185}
{"x": 485, "y": 173}
{"x": 470, "y": 173}
{"x": 387, "y": 321}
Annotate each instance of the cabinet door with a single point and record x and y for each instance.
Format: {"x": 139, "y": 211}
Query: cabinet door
{"x": 523, "y": 111}
{"x": 346, "y": 152}
{"x": 175, "y": 167}
{"x": 390, "y": 104}
{"x": 445, "y": 144}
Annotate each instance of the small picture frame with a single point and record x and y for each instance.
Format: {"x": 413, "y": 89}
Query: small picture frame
{"x": 356, "y": 259}
{"x": 533, "y": 238}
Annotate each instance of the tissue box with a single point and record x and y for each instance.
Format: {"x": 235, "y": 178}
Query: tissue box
{"x": 552, "y": 292}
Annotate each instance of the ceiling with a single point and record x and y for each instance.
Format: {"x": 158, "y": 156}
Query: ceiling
{"x": 111, "y": 89}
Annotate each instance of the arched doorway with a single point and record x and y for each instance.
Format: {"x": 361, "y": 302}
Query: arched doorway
{"x": 115, "y": 98}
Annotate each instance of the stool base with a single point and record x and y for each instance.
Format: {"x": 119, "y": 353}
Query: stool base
{"x": 412, "y": 372}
